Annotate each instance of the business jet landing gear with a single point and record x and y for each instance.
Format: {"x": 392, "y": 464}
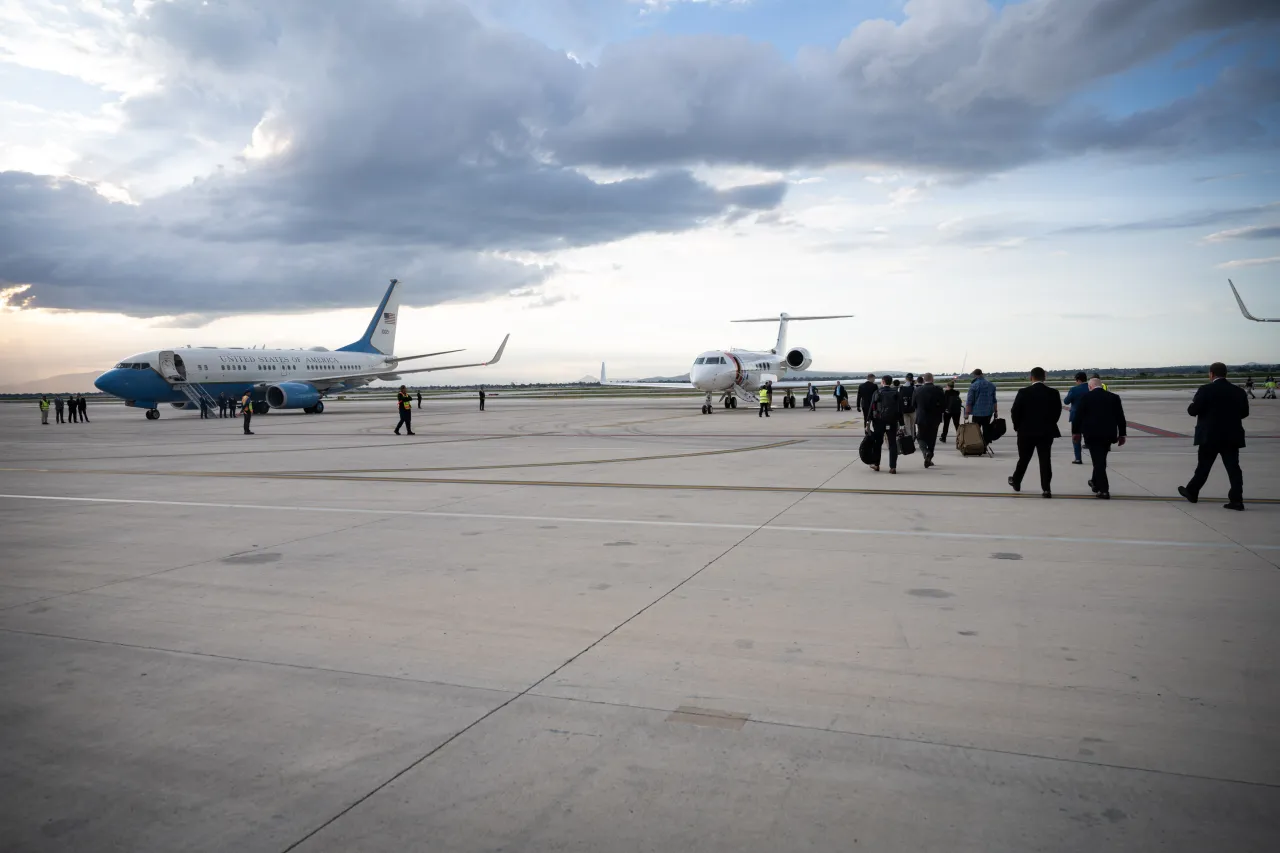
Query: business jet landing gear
{"x": 789, "y": 401}
{"x": 730, "y": 402}
{"x": 153, "y": 414}
{"x": 706, "y": 406}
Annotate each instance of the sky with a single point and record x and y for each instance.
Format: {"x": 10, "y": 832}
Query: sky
{"x": 983, "y": 184}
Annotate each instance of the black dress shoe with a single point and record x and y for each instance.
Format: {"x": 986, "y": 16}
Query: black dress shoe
{"x": 1017, "y": 487}
{"x": 1046, "y": 494}
{"x": 1106, "y": 496}
{"x": 1182, "y": 490}
{"x": 1238, "y": 507}
{"x": 1076, "y": 462}
{"x": 1095, "y": 491}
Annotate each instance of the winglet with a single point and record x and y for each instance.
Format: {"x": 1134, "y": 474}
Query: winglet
{"x": 497, "y": 356}
{"x": 1240, "y": 302}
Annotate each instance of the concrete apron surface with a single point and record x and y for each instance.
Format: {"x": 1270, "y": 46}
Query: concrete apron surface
{"x": 623, "y": 625}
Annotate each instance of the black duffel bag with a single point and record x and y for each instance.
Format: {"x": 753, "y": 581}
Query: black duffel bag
{"x": 869, "y": 450}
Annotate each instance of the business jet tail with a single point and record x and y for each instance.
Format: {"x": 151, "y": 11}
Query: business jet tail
{"x": 782, "y": 319}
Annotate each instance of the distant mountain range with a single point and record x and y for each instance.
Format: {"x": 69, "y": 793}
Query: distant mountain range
{"x": 65, "y": 383}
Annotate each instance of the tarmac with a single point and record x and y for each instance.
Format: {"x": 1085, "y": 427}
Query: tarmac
{"x": 623, "y": 625}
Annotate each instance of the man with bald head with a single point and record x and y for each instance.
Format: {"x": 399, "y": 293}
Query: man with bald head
{"x": 1100, "y": 422}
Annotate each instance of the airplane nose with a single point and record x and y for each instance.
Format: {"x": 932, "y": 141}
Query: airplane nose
{"x": 107, "y": 382}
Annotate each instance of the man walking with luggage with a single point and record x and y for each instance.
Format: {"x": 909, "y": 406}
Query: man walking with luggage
{"x": 1099, "y": 419}
{"x": 930, "y": 405}
{"x": 1035, "y": 413}
{"x": 907, "y": 402}
{"x": 886, "y": 415}
{"x": 981, "y": 404}
{"x": 1072, "y": 400}
{"x": 404, "y": 405}
{"x": 1219, "y": 409}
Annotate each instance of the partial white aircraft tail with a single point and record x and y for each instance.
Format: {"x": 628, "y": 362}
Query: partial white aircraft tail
{"x": 782, "y": 319}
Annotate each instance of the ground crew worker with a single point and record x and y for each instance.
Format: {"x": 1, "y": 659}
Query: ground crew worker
{"x": 764, "y": 401}
{"x": 1270, "y": 393}
{"x": 57, "y": 408}
{"x": 404, "y": 404}
{"x": 246, "y": 407}
{"x": 419, "y": 399}
{"x": 44, "y": 410}
{"x": 482, "y": 399}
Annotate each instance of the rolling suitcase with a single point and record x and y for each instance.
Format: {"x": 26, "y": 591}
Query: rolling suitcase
{"x": 969, "y": 439}
{"x": 869, "y": 450}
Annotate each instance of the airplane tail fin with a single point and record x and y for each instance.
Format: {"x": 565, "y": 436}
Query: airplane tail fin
{"x": 782, "y": 319}
{"x": 380, "y": 337}
{"x": 603, "y": 380}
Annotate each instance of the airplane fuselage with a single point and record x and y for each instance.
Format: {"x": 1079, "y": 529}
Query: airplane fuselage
{"x": 719, "y": 371}
{"x": 233, "y": 371}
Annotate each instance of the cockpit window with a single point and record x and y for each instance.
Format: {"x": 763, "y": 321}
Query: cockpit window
{"x": 699, "y": 361}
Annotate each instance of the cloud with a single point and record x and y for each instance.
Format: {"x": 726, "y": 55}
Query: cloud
{"x": 1251, "y": 232}
{"x": 1189, "y": 219}
{"x": 1249, "y": 262}
{"x": 333, "y": 143}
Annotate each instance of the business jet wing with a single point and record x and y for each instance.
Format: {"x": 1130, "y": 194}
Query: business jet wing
{"x": 323, "y": 383}
{"x": 1245, "y": 311}
{"x": 788, "y": 384}
{"x": 677, "y": 386}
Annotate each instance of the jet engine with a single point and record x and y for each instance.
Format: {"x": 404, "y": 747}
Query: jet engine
{"x": 799, "y": 359}
{"x": 292, "y": 395}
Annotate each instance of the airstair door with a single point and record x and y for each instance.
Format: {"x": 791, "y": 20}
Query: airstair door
{"x": 169, "y": 367}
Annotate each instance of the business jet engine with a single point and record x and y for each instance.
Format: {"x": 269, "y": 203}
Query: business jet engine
{"x": 292, "y": 395}
{"x": 799, "y": 359}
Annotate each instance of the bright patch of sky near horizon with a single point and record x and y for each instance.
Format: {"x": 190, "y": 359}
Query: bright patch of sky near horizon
{"x": 1096, "y": 253}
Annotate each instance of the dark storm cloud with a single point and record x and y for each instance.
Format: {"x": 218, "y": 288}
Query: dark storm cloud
{"x": 411, "y": 139}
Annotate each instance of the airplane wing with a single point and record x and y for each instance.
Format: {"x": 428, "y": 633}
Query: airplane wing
{"x": 787, "y": 384}
{"x": 1245, "y": 311}
{"x": 675, "y": 386}
{"x": 399, "y": 358}
{"x": 325, "y": 382}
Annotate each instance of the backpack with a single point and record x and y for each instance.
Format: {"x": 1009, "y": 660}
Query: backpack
{"x": 887, "y": 405}
{"x": 907, "y": 394}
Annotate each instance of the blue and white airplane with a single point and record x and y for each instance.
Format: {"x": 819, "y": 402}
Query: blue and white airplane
{"x": 274, "y": 378}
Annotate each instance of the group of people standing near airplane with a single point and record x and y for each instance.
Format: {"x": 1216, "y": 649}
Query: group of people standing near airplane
{"x": 75, "y": 406}
{"x": 916, "y": 408}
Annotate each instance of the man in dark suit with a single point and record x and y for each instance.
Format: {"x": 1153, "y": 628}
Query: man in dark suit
{"x": 866, "y": 393}
{"x": 1219, "y": 409}
{"x": 1099, "y": 420}
{"x": 929, "y": 405}
{"x": 1035, "y": 414}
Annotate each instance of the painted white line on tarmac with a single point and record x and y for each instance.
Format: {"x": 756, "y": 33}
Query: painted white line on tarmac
{"x": 711, "y": 525}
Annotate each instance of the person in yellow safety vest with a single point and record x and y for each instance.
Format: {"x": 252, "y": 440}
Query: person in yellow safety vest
{"x": 1271, "y": 390}
{"x": 246, "y": 407}
{"x": 44, "y": 410}
{"x": 404, "y": 403}
{"x": 766, "y": 398}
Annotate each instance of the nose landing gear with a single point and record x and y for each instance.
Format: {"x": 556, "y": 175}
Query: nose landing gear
{"x": 706, "y": 406}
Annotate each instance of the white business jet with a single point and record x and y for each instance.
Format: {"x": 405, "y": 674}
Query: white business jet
{"x": 275, "y": 379}
{"x": 740, "y": 374}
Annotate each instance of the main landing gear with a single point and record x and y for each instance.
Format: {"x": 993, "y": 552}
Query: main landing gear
{"x": 153, "y": 414}
{"x": 731, "y": 402}
{"x": 789, "y": 401}
{"x": 317, "y": 409}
